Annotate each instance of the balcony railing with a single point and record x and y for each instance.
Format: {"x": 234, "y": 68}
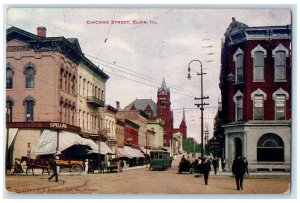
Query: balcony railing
{"x": 95, "y": 101}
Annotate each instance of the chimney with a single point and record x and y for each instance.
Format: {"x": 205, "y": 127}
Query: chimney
{"x": 118, "y": 105}
{"x": 41, "y": 31}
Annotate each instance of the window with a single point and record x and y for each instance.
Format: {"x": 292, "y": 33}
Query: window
{"x": 258, "y": 107}
{"x": 29, "y": 77}
{"x": 9, "y": 108}
{"x": 29, "y": 105}
{"x": 280, "y": 107}
{"x": 239, "y": 68}
{"x": 280, "y": 66}
{"x": 9, "y": 78}
{"x": 61, "y": 79}
{"x": 83, "y": 87}
{"x": 73, "y": 85}
{"x": 239, "y": 65}
{"x": 79, "y": 89}
{"x": 280, "y": 53}
{"x": 66, "y": 81}
{"x": 270, "y": 147}
{"x": 258, "y": 69}
{"x": 239, "y": 108}
{"x": 258, "y": 54}
{"x": 238, "y": 99}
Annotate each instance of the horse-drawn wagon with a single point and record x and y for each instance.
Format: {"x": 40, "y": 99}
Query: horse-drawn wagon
{"x": 75, "y": 167}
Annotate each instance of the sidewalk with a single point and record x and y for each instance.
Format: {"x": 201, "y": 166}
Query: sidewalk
{"x": 272, "y": 175}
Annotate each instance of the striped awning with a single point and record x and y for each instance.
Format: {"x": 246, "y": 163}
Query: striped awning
{"x": 121, "y": 153}
{"x": 145, "y": 151}
{"x": 133, "y": 152}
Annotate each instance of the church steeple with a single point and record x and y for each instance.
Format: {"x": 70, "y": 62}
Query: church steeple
{"x": 182, "y": 126}
{"x": 164, "y": 86}
{"x": 183, "y": 116}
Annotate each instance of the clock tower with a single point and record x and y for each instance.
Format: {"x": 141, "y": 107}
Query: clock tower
{"x": 164, "y": 111}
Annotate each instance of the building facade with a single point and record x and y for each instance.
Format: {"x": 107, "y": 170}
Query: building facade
{"x": 255, "y": 83}
{"x": 156, "y": 125}
{"x": 120, "y": 132}
{"x": 42, "y": 88}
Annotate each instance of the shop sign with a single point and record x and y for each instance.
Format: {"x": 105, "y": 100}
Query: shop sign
{"x": 58, "y": 125}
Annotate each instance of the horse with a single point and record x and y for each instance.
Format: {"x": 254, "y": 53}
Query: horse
{"x": 35, "y": 163}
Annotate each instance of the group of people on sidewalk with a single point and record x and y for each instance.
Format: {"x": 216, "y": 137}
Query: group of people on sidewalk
{"x": 239, "y": 168}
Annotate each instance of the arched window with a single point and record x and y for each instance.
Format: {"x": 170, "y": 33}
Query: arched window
{"x": 9, "y": 109}
{"x": 258, "y": 98}
{"x": 66, "y": 81}
{"x": 258, "y": 54}
{"x": 280, "y": 97}
{"x": 270, "y": 147}
{"x": 9, "y": 78}
{"x": 239, "y": 105}
{"x": 61, "y": 79}
{"x": 29, "y": 77}
{"x": 280, "y": 53}
{"x": 239, "y": 65}
{"x": 29, "y": 103}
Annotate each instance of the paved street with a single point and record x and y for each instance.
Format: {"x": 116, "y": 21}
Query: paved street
{"x": 144, "y": 181}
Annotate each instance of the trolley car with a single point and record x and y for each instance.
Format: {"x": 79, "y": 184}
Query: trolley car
{"x": 160, "y": 160}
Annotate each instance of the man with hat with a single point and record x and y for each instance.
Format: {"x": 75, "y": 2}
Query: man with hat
{"x": 53, "y": 167}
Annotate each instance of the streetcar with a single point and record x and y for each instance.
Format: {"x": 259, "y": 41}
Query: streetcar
{"x": 160, "y": 160}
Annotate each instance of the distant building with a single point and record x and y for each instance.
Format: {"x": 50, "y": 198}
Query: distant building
{"x": 182, "y": 127}
{"x": 255, "y": 83}
{"x": 120, "y": 132}
{"x": 160, "y": 114}
{"x": 156, "y": 125}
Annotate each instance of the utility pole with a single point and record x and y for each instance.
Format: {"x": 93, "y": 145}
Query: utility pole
{"x": 206, "y": 132}
{"x": 201, "y": 98}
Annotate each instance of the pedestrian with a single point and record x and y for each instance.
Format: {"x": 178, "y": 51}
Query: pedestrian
{"x": 238, "y": 170}
{"x": 182, "y": 159}
{"x": 246, "y": 165}
{"x": 121, "y": 166}
{"x": 102, "y": 167}
{"x": 206, "y": 170}
{"x": 223, "y": 164}
{"x": 90, "y": 166}
{"x": 86, "y": 166}
{"x": 53, "y": 167}
{"x": 18, "y": 168}
{"x": 28, "y": 150}
{"x": 215, "y": 163}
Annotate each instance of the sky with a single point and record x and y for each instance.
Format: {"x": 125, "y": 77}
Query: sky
{"x": 138, "y": 56}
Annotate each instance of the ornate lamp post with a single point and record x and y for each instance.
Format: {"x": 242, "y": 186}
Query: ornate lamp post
{"x": 201, "y": 105}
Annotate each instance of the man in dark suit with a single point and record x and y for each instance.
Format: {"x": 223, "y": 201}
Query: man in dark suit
{"x": 206, "y": 170}
{"x": 53, "y": 167}
{"x": 238, "y": 170}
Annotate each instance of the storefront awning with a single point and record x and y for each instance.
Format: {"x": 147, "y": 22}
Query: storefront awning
{"x": 104, "y": 149}
{"x": 133, "y": 152}
{"x": 145, "y": 151}
{"x": 121, "y": 153}
{"x": 11, "y": 135}
{"x": 48, "y": 142}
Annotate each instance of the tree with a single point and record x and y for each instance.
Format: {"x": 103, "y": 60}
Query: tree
{"x": 191, "y": 146}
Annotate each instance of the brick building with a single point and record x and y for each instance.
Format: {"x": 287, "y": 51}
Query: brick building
{"x": 45, "y": 97}
{"x": 255, "y": 83}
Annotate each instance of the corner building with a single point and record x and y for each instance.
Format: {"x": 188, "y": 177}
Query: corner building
{"x": 255, "y": 83}
{"x": 52, "y": 92}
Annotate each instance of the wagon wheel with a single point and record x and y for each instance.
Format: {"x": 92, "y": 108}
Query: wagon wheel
{"x": 76, "y": 169}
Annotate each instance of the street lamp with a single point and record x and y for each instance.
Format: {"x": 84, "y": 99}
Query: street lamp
{"x": 201, "y": 105}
